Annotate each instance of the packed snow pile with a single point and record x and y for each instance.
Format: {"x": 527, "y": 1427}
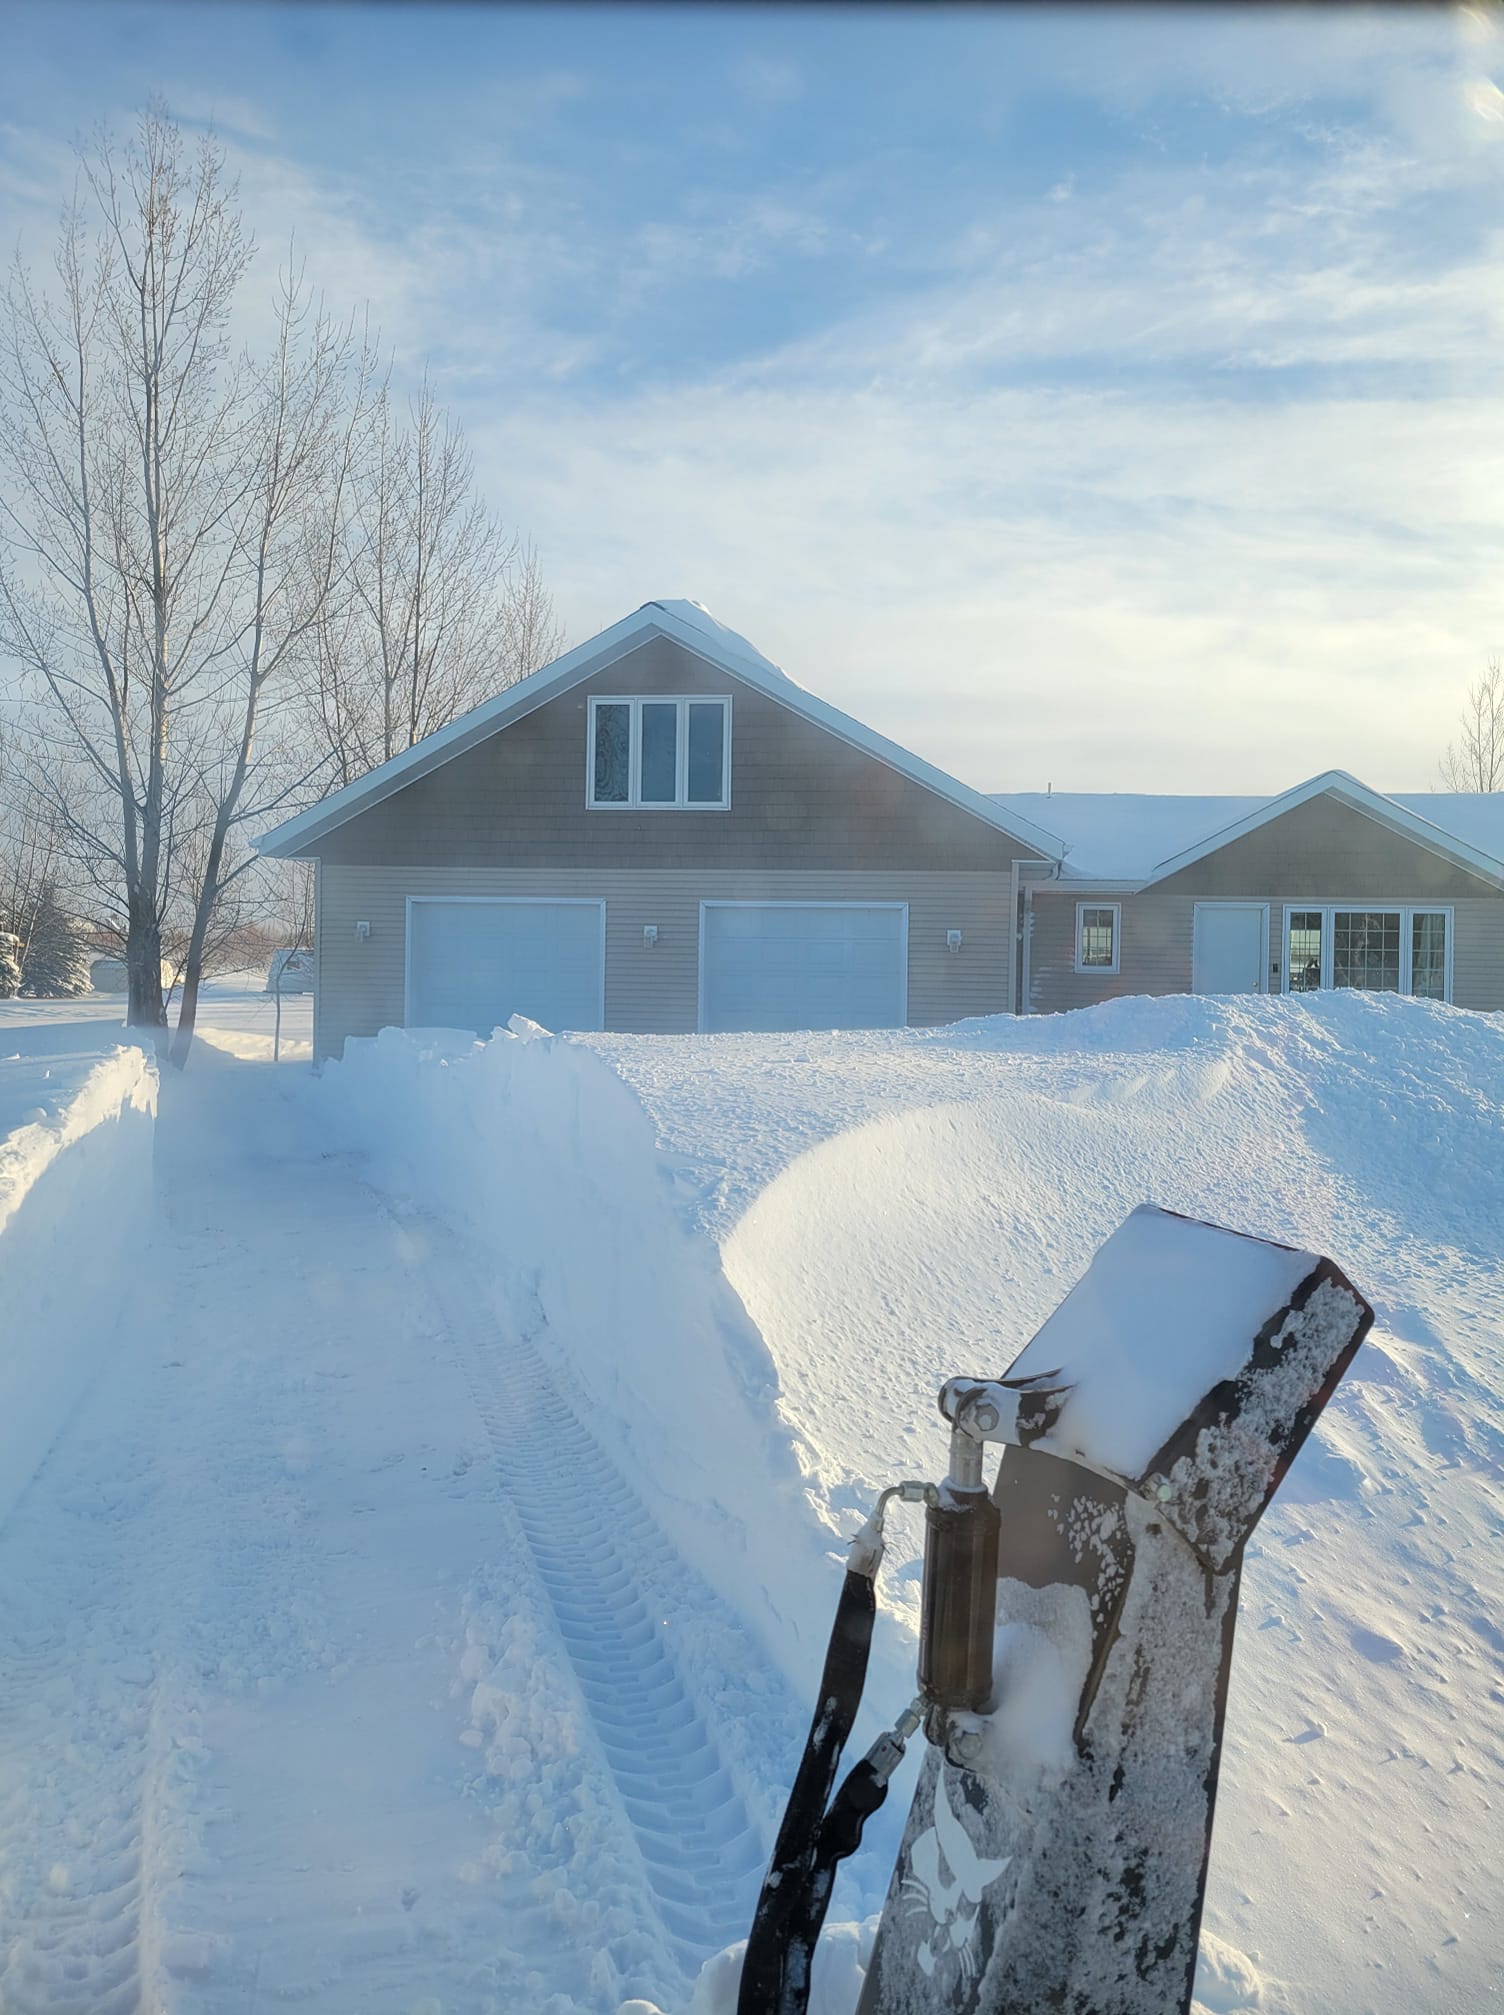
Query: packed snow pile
{"x": 47, "y": 1049}
{"x": 542, "y": 1153}
{"x": 75, "y": 1181}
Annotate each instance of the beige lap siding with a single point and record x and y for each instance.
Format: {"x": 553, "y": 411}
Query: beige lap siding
{"x": 655, "y": 991}
{"x": 1155, "y": 944}
{"x": 1154, "y": 951}
{"x": 1478, "y": 955}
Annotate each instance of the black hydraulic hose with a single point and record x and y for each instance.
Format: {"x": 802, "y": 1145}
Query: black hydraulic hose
{"x": 840, "y": 1835}
{"x": 796, "y": 1889}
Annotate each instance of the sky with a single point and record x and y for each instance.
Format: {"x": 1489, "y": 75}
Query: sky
{"x": 1098, "y": 398}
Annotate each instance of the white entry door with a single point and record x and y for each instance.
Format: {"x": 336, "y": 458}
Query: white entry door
{"x": 770, "y": 966}
{"x": 1230, "y": 948}
{"x": 476, "y": 964}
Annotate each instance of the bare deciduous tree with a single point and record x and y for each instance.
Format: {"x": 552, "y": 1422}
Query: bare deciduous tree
{"x": 446, "y": 606}
{"x": 1475, "y": 761}
{"x": 296, "y": 459}
{"x": 117, "y": 405}
{"x": 201, "y": 552}
{"x": 159, "y": 570}
{"x": 531, "y": 634}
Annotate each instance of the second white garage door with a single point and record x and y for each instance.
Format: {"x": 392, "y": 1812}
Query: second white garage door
{"x": 771, "y": 966}
{"x": 475, "y": 964}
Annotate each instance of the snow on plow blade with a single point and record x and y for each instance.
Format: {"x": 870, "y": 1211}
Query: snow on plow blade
{"x": 1055, "y": 1856}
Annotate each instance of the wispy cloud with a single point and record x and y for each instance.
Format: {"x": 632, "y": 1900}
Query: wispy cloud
{"x": 1160, "y": 453}
{"x": 1034, "y": 585}
{"x": 232, "y": 116}
{"x": 768, "y": 80}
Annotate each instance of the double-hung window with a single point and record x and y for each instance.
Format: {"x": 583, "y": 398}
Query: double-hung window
{"x": 1375, "y": 947}
{"x": 649, "y": 754}
{"x": 1097, "y": 926}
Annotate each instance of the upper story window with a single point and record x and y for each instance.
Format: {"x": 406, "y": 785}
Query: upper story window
{"x": 660, "y": 754}
{"x": 1097, "y": 937}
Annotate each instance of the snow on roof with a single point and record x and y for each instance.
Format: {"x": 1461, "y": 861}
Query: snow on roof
{"x": 1126, "y": 836}
{"x": 1121, "y": 835}
{"x": 1474, "y": 816}
{"x": 726, "y": 641}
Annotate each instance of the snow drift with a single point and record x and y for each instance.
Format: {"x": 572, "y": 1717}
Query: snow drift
{"x": 75, "y": 1189}
{"x": 546, "y": 1158}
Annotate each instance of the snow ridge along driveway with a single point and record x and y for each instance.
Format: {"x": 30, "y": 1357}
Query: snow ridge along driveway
{"x": 585, "y": 1526}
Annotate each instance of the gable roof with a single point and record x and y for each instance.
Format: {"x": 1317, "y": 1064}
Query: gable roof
{"x": 692, "y": 626}
{"x": 1121, "y": 836}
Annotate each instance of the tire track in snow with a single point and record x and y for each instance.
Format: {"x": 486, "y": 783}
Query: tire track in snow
{"x": 702, "y": 1853}
{"x": 140, "y": 1574}
{"x": 79, "y": 1929}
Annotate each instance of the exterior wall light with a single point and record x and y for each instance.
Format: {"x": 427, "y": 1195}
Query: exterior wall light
{"x": 362, "y": 931}
{"x": 649, "y": 936}
{"x": 952, "y": 941}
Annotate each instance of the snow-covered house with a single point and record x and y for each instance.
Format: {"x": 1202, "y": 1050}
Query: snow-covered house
{"x": 1328, "y": 884}
{"x": 662, "y": 832}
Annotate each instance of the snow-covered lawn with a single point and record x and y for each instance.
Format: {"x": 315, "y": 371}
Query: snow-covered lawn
{"x": 48, "y": 1047}
{"x": 421, "y": 1609}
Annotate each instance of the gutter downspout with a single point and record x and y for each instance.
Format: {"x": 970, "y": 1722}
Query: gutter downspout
{"x": 318, "y": 962}
{"x": 1024, "y": 926}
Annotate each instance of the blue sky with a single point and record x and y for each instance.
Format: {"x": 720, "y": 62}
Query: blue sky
{"x": 1101, "y": 397}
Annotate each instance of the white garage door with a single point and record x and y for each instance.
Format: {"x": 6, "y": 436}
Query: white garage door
{"x": 475, "y": 964}
{"x": 803, "y": 965}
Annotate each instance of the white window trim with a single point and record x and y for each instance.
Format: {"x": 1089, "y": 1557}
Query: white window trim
{"x": 1117, "y": 937}
{"x": 1408, "y": 912}
{"x": 633, "y": 802}
{"x": 773, "y": 903}
{"x": 498, "y": 902}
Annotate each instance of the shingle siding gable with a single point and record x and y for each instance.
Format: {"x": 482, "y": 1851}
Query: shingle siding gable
{"x": 1320, "y": 851}
{"x": 800, "y": 797}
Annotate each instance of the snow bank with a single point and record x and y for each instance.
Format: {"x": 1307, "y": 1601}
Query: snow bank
{"x": 537, "y": 1148}
{"x": 74, "y": 1193}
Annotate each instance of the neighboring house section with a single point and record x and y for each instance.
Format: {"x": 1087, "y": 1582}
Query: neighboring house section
{"x": 660, "y": 832}
{"x": 1330, "y": 885}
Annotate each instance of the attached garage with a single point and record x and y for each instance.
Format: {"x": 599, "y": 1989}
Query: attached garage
{"x": 474, "y": 963}
{"x": 776, "y": 966}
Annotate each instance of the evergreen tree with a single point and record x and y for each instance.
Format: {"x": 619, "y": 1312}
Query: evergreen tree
{"x": 10, "y": 966}
{"x": 55, "y": 962}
